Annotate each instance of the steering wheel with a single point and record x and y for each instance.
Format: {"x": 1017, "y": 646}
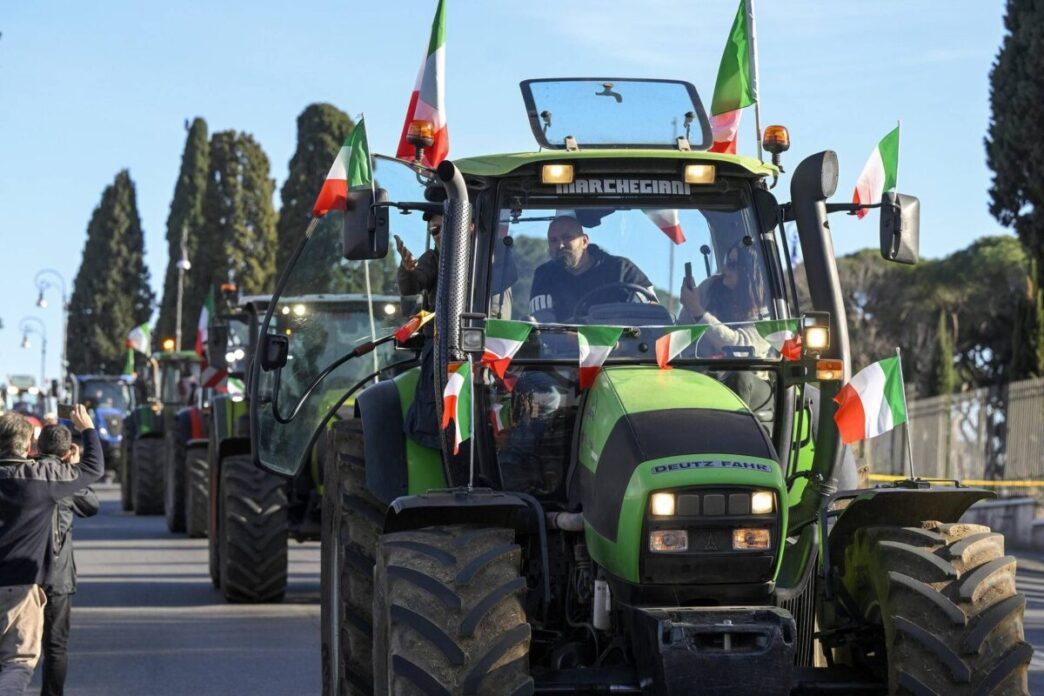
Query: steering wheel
{"x": 584, "y": 303}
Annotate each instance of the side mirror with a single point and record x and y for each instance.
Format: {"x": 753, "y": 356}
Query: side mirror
{"x": 274, "y": 351}
{"x": 768, "y": 209}
{"x": 900, "y": 228}
{"x": 217, "y": 342}
{"x": 365, "y": 231}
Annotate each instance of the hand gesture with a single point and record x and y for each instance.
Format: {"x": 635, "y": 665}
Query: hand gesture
{"x": 80, "y": 418}
{"x": 690, "y": 299}
{"x": 74, "y": 454}
{"x": 408, "y": 263}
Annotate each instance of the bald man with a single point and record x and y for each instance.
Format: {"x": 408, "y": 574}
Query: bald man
{"x": 576, "y": 268}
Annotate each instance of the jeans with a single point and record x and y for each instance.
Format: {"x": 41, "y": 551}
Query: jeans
{"x": 55, "y": 644}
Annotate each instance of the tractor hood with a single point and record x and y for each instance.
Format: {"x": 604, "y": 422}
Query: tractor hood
{"x": 645, "y": 430}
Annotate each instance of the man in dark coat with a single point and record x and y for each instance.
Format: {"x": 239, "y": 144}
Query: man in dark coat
{"x": 55, "y": 443}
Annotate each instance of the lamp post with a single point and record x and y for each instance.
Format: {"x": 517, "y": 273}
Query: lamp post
{"x": 43, "y": 284}
{"x": 183, "y": 265}
{"x": 27, "y": 326}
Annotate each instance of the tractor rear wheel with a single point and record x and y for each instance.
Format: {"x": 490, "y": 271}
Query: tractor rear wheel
{"x": 352, "y": 522}
{"x": 147, "y": 476}
{"x": 197, "y": 490}
{"x": 448, "y": 614}
{"x": 943, "y": 597}
{"x": 174, "y": 484}
{"x": 252, "y": 532}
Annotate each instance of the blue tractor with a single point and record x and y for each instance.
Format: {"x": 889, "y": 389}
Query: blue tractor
{"x": 109, "y": 398}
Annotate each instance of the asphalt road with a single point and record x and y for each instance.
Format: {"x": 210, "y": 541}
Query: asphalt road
{"x": 146, "y": 619}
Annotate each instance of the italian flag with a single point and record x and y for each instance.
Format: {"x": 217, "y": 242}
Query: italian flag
{"x": 350, "y": 168}
{"x": 500, "y": 417}
{"x": 675, "y": 341}
{"x": 782, "y": 335}
{"x": 880, "y": 172}
{"x": 428, "y": 100}
{"x": 596, "y": 343}
{"x": 734, "y": 89}
{"x": 667, "y": 220}
{"x": 872, "y": 403}
{"x": 202, "y": 324}
{"x": 503, "y": 339}
{"x": 456, "y": 403}
{"x": 140, "y": 339}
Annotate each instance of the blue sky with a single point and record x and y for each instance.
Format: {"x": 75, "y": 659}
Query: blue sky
{"x": 87, "y": 89}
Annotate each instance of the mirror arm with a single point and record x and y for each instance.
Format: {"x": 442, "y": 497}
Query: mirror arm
{"x": 850, "y": 208}
{"x": 361, "y": 349}
{"x": 408, "y": 206}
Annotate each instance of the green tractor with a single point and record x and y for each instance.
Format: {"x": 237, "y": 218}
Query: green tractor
{"x": 628, "y": 529}
{"x": 252, "y": 512}
{"x": 168, "y": 382}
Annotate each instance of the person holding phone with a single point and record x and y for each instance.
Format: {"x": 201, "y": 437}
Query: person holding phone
{"x": 29, "y": 490}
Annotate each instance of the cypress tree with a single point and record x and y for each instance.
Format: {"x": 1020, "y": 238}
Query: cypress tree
{"x": 239, "y": 227}
{"x": 321, "y": 130}
{"x": 185, "y": 218}
{"x": 111, "y": 292}
{"x": 944, "y": 376}
{"x": 1015, "y": 145}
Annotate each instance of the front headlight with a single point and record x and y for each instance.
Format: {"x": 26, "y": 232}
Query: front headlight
{"x": 662, "y": 504}
{"x": 762, "y": 502}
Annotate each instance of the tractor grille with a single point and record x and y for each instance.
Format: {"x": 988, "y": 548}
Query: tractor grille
{"x": 115, "y": 425}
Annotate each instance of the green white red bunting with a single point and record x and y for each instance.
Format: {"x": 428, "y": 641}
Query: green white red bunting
{"x": 871, "y": 403}
{"x": 734, "y": 89}
{"x": 350, "y": 168}
{"x": 880, "y": 173}
{"x": 782, "y": 335}
{"x": 503, "y": 339}
{"x": 675, "y": 341}
{"x": 456, "y": 403}
{"x": 596, "y": 343}
{"x": 428, "y": 100}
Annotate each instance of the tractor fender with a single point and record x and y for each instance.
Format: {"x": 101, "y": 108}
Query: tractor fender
{"x": 481, "y": 506}
{"x": 384, "y": 441}
{"x": 233, "y": 445}
{"x": 901, "y": 507}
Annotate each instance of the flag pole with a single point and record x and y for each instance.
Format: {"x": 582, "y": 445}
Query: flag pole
{"x": 753, "y": 49}
{"x": 906, "y": 425}
{"x": 366, "y": 264}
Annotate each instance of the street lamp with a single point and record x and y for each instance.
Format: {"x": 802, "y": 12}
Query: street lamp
{"x": 27, "y": 326}
{"x": 183, "y": 266}
{"x": 43, "y": 283}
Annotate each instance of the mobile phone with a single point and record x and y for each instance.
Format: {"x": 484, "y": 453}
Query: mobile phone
{"x": 65, "y": 411}
{"x": 690, "y": 282}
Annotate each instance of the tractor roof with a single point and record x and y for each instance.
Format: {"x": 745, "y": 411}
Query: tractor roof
{"x": 500, "y": 165}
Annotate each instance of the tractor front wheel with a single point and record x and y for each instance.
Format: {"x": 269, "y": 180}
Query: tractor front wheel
{"x": 252, "y": 531}
{"x": 174, "y": 484}
{"x": 448, "y": 614}
{"x": 942, "y": 598}
{"x": 197, "y": 490}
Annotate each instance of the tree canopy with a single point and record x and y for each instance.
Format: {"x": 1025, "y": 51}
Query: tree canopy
{"x": 111, "y": 293}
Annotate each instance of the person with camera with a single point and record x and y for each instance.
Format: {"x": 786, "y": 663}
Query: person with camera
{"x": 29, "y": 491}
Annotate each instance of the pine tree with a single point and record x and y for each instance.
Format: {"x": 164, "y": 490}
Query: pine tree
{"x": 1015, "y": 146}
{"x": 111, "y": 292}
{"x": 944, "y": 376}
{"x": 185, "y": 218}
{"x": 321, "y": 130}
{"x": 239, "y": 228}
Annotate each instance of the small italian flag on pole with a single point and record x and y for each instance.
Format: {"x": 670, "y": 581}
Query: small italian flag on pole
{"x": 351, "y": 168}
{"x": 456, "y": 403}
{"x": 503, "y": 340}
{"x": 203, "y": 323}
{"x": 880, "y": 174}
{"x": 782, "y": 335}
{"x": 596, "y": 343}
{"x": 428, "y": 99}
{"x": 675, "y": 341}
{"x": 872, "y": 403}
{"x": 735, "y": 88}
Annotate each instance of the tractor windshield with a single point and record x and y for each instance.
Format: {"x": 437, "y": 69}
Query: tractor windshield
{"x": 179, "y": 381}
{"x": 106, "y": 394}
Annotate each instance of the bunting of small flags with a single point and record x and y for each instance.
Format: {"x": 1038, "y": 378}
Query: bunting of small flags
{"x": 782, "y": 335}
{"x": 503, "y": 340}
{"x": 596, "y": 343}
{"x": 672, "y": 343}
{"x": 456, "y": 403}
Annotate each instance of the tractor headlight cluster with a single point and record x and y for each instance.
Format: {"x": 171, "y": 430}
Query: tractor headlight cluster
{"x": 663, "y": 504}
{"x": 762, "y": 502}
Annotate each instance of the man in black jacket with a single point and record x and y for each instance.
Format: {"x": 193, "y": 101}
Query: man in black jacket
{"x": 29, "y": 490}
{"x": 55, "y": 443}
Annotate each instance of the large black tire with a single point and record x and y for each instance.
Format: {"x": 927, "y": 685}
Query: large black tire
{"x": 951, "y": 622}
{"x": 448, "y": 613}
{"x": 197, "y": 490}
{"x": 174, "y": 484}
{"x": 352, "y": 522}
{"x": 147, "y": 457}
{"x": 252, "y": 532}
{"x": 126, "y": 499}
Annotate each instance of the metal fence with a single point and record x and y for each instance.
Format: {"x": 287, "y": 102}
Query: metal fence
{"x": 994, "y": 433}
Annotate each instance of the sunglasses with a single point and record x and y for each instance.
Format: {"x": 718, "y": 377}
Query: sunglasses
{"x": 731, "y": 262}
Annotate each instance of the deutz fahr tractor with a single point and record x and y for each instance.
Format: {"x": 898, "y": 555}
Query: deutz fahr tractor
{"x": 682, "y": 520}
{"x": 166, "y": 382}
{"x": 253, "y": 513}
